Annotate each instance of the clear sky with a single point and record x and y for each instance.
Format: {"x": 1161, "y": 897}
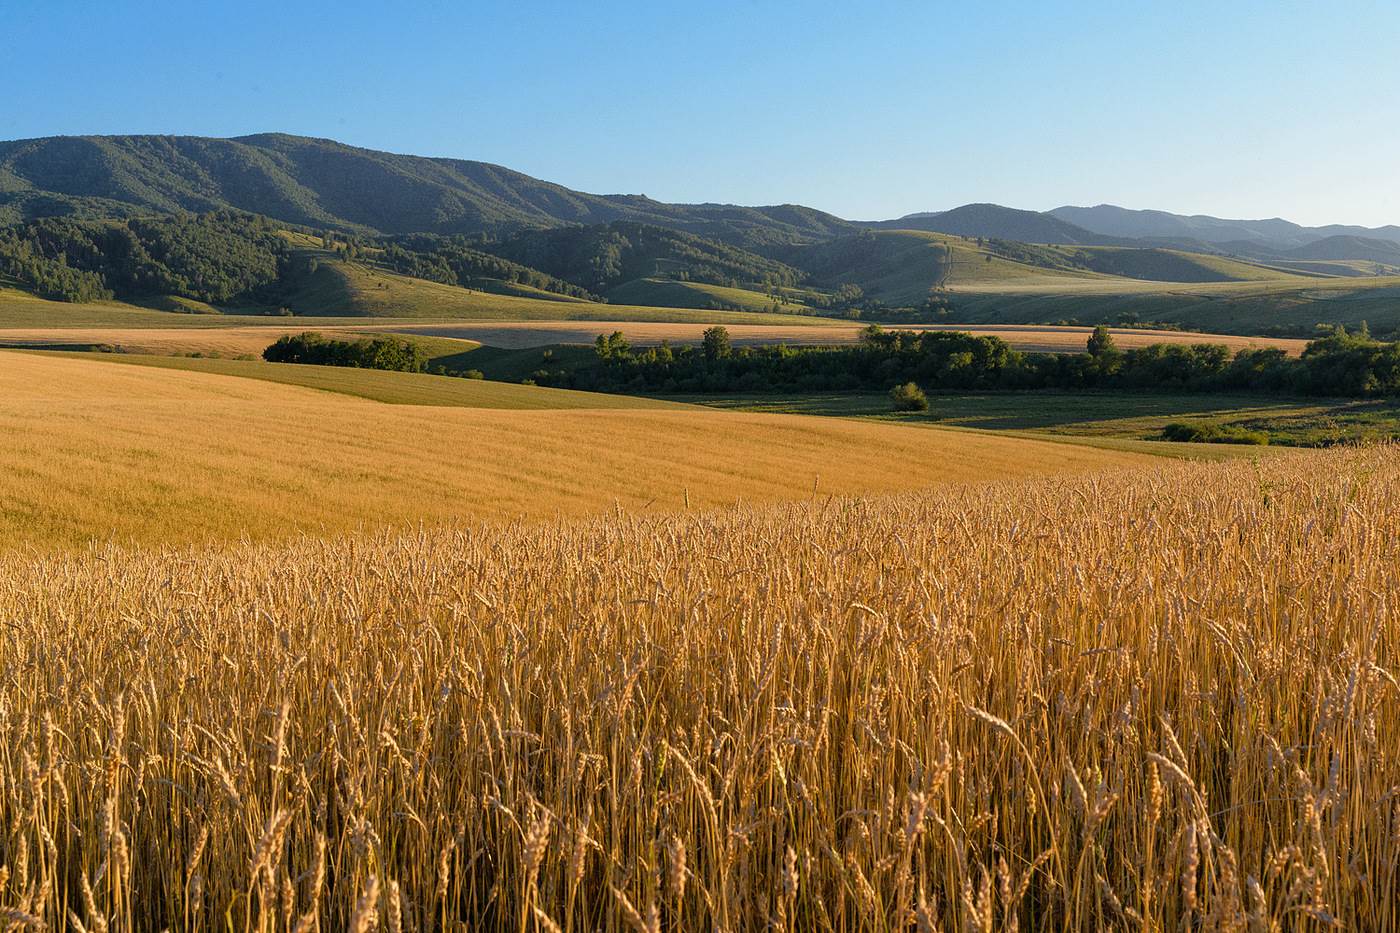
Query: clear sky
{"x": 867, "y": 109}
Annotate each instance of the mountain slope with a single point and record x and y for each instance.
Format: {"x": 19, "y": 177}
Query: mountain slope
{"x": 325, "y": 184}
{"x": 322, "y": 183}
{"x": 995, "y": 221}
{"x": 1167, "y": 265}
{"x": 602, "y": 257}
{"x": 1109, "y": 220}
{"x": 1350, "y": 247}
{"x": 900, "y": 267}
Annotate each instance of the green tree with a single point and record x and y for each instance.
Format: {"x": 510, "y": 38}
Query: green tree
{"x": 1101, "y": 342}
{"x": 848, "y": 294}
{"x": 909, "y": 397}
{"x": 716, "y": 343}
{"x": 1105, "y": 359}
{"x": 612, "y": 346}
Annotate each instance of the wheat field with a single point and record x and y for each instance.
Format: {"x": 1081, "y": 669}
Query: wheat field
{"x": 100, "y": 451}
{"x": 217, "y": 339}
{"x": 1147, "y": 699}
{"x": 1025, "y": 337}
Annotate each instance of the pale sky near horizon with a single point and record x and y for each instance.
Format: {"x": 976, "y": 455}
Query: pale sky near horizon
{"x": 867, "y": 110}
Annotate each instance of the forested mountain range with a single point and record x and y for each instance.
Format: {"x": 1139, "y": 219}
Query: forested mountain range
{"x": 227, "y": 256}
{"x": 248, "y": 222}
{"x": 322, "y": 183}
{"x": 1275, "y": 234}
{"x": 1004, "y": 223}
{"x": 326, "y": 184}
{"x": 601, "y": 257}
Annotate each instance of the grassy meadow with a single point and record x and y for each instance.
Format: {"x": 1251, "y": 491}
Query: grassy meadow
{"x": 982, "y": 284}
{"x": 364, "y": 290}
{"x": 901, "y": 265}
{"x": 1238, "y": 308}
{"x": 1045, "y": 284}
{"x": 679, "y": 294}
{"x": 1308, "y": 422}
{"x": 779, "y": 716}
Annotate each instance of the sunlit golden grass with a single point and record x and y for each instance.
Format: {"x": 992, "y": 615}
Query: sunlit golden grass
{"x": 251, "y": 340}
{"x": 95, "y": 450}
{"x": 358, "y": 289}
{"x": 212, "y": 340}
{"x": 393, "y": 387}
{"x": 1161, "y": 699}
{"x": 1030, "y": 338}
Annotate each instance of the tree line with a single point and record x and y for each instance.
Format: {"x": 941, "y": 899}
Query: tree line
{"x": 600, "y": 257}
{"x": 1338, "y": 363}
{"x": 210, "y": 257}
{"x": 451, "y": 261}
{"x": 226, "y": 256}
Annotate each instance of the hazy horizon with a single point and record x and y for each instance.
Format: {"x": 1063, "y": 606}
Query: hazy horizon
{"x": 1255, "y": 112}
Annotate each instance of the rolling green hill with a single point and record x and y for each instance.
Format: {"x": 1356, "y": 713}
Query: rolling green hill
{"x": 899, "y": 267}
{"x": 1000, "y": 282}
{"x": 1348, "y": 247}
{"x": 600, "y": 258}
{"x": 1345, "y": 268}
{"x": 352, "y": 233}
{"x": 993, "y": 220}
{"x": 977, "y": 283}
{"x": 228, "y": 261}
{"x": 326, "y": 184}
{"x": 346, "y": 292}
{"x": 1279, "y": 308}
{"x": 363, "y": 289}
{"x": 322, "y": 183}
{"x": 670, "y": 293}
{"x": 1160, "y": 265}
{"x": 1273, "y": 234}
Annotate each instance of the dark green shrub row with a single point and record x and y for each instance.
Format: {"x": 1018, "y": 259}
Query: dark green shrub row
{"x": 1211, "y": 432}
{"x": 367, "y": 353}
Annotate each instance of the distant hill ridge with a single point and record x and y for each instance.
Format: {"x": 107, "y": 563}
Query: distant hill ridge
{"x": 1006, "y": 223}
{"x": 1275, "y": 233}
{"x": 323, "y": 183}
{"x": 326, "y": 184}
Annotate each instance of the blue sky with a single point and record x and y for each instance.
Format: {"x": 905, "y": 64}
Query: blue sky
{"x": 870, "y": 109}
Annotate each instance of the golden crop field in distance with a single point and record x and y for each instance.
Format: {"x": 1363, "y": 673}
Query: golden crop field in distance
{"x": 1033, "y": 338}
{"x": 243, "y": 339}
{"x": 97, "y": 450}
{"x": 1157, "y": 698}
